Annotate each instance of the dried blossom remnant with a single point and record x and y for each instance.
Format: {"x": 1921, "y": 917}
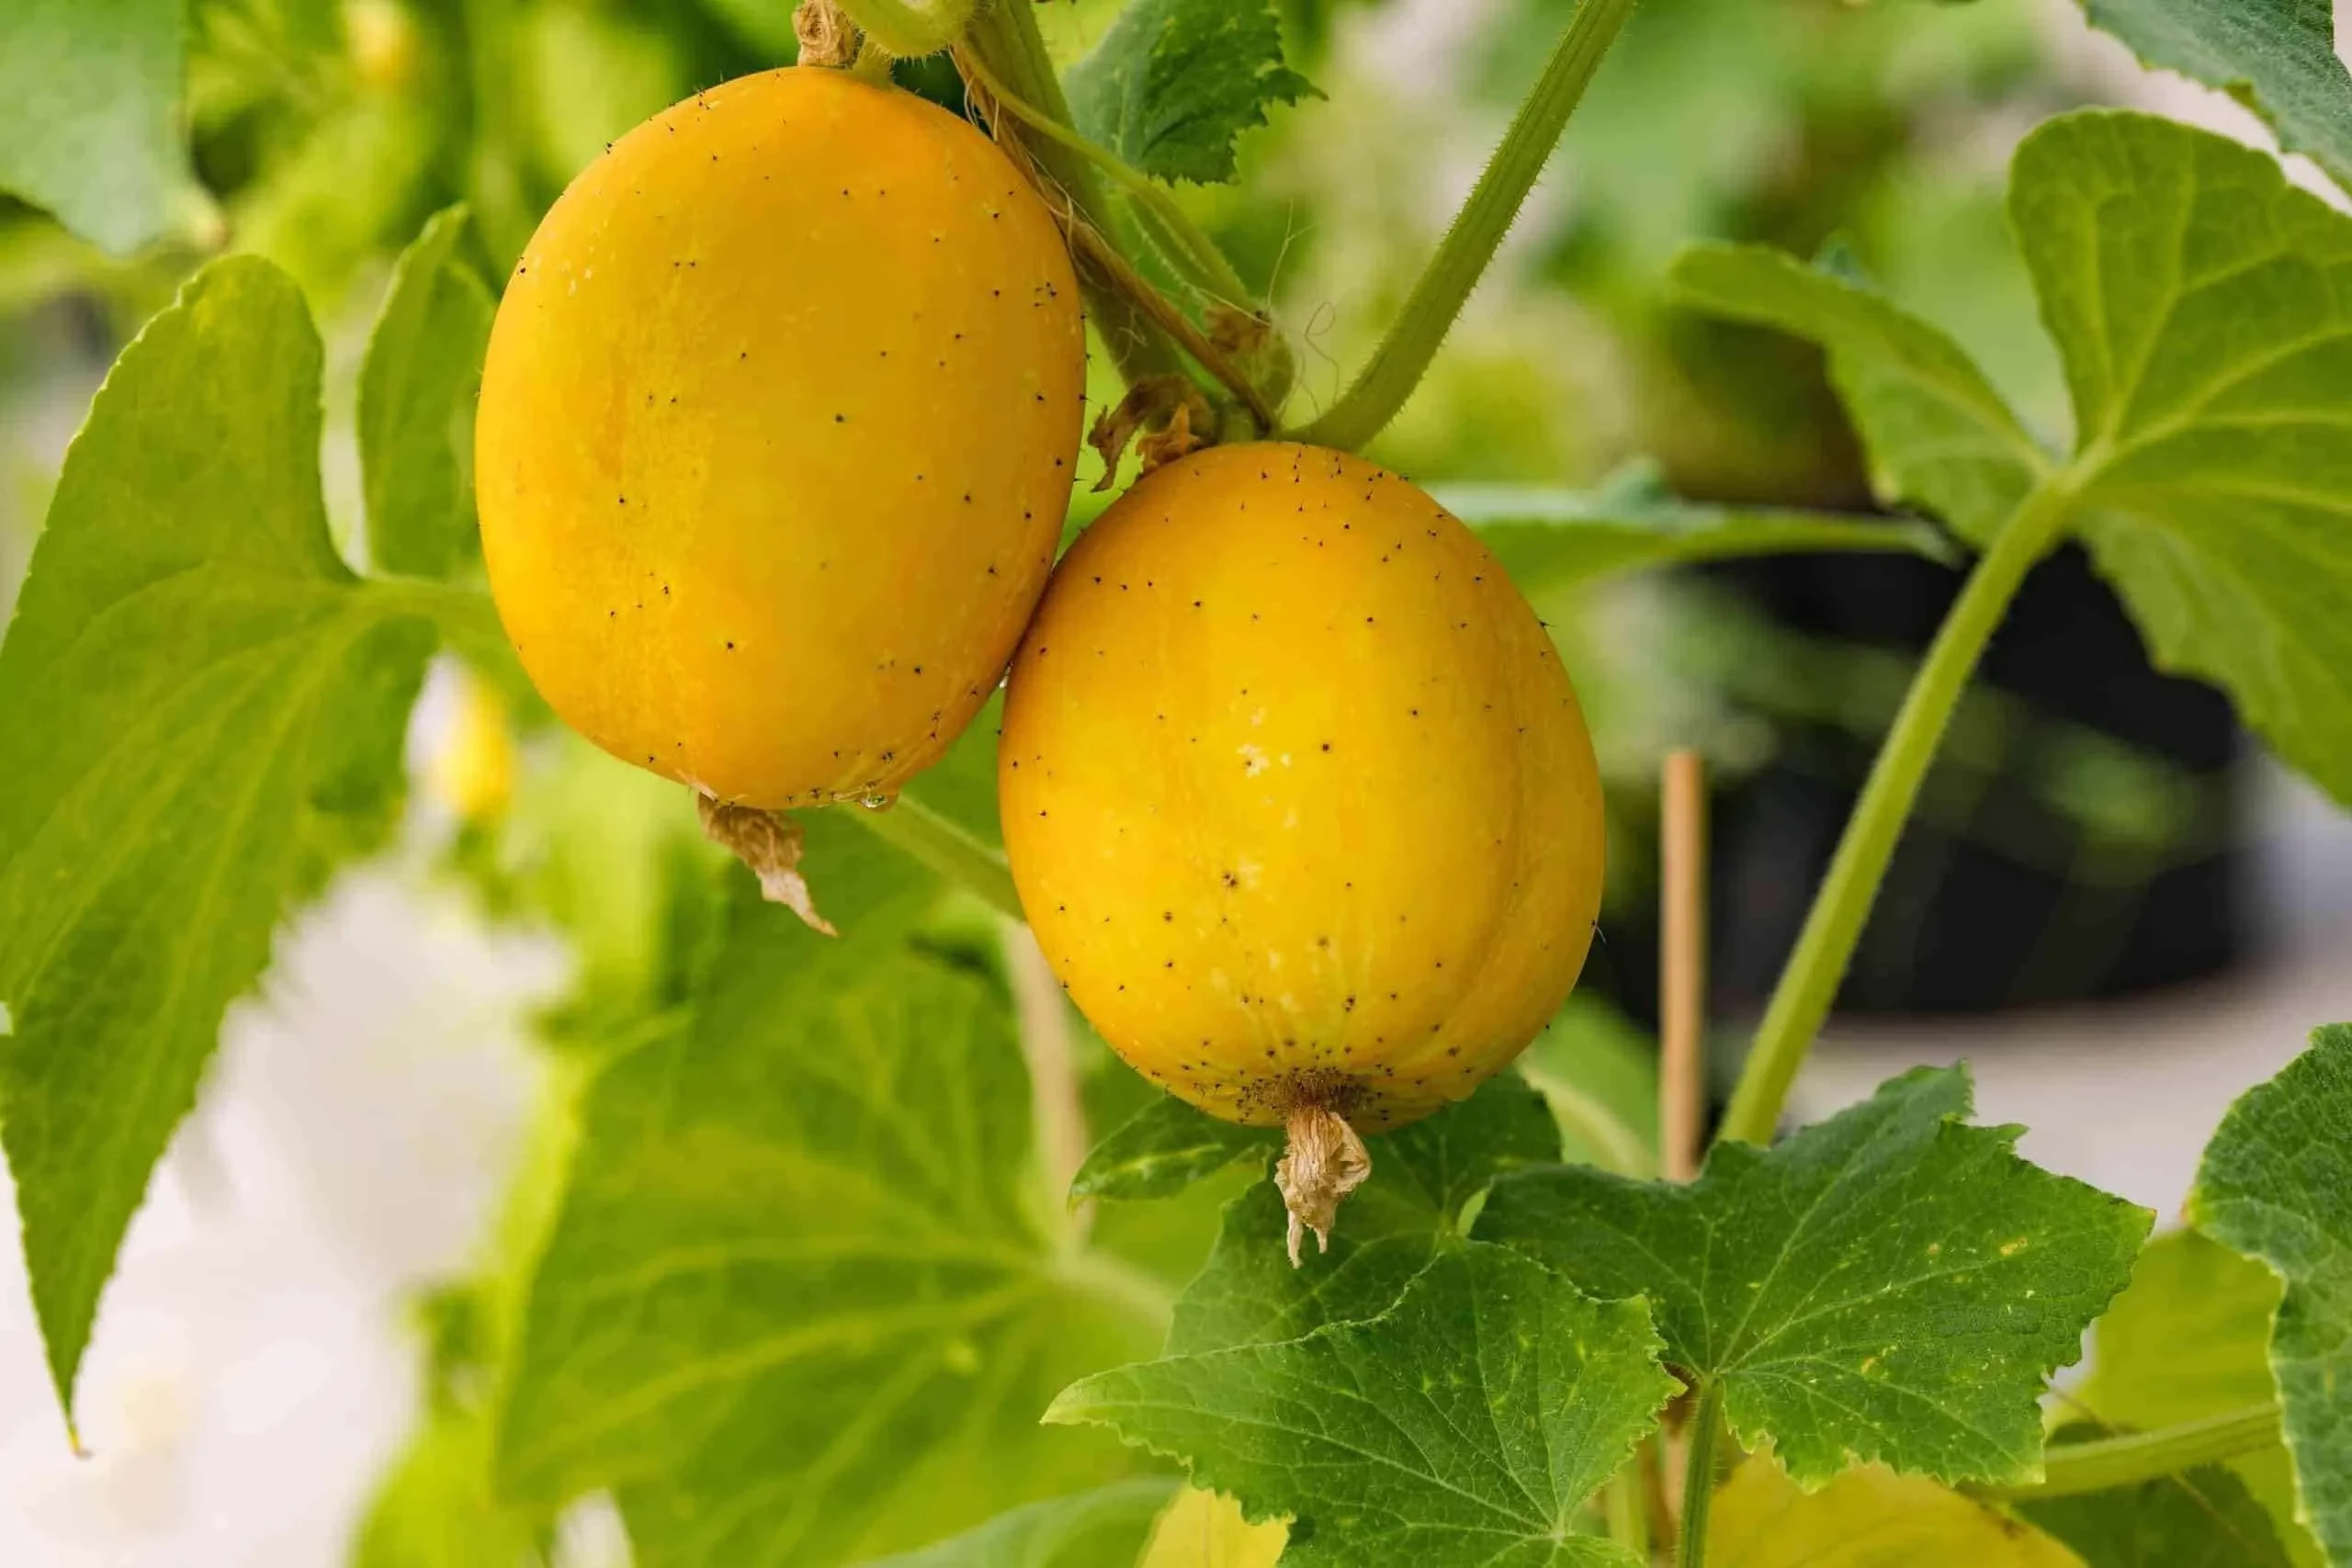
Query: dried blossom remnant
{"x": 770, "y": 843}
{"x": 1326, "y": 1161}
{"x": 826, "y": 38}
{"x": 1168, "y": 411}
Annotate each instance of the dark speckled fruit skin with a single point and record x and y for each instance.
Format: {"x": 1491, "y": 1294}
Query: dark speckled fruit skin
{"x": 776, "y": 436}
{"x": 1296, "y": 794}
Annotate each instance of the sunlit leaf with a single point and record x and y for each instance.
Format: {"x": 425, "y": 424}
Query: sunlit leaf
{"x": 201, "y": 710}
{"x": 1892, "y": 1284}
{"x": 1865, "y": 1518}
{"x": 1208, "y": 1530}
{"x": 2203, "y": 1517}
{"x": 2190, "y": 1338}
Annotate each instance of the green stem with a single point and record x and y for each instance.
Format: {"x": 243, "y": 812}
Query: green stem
{"x": 1699, "y": 1477}
{"x": 2104, "y": 1463}
{"x": 946, "y": 848}
{"x": 1003, "y": 38}
{"x": 909, "y": 32}
{"x": 1191, "y": 249}
{"x": 1810, "y": 982}
{"x": 1395, "y": 367}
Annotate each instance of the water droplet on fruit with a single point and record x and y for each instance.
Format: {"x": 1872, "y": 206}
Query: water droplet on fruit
{"x": 879, "y": 800}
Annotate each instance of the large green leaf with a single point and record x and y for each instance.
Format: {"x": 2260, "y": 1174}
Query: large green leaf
{"x": 90, "y": 113}
{"x": 434, "y": 1509}
{"x": 2276, "y": 1184}
{"x": 1423, "y": 1176}
{"x": 2190, "y": 1338}
{"x": 1175, "y": 81}
{"x": 2276, "y": 57}
{"x": 801, "y": 1303}
{"x": 1106, "y": 1528}
{"x": 1466, "y": 1425}
{"x": 416, "y": 405}
{"x": 1892, "y": 1284}
{"x": 1938, "y": 434}
{"x": 2202, "y": 1518}
{"x": 2203, "y": 306}
{"x": 2203, "y": 310}
{"x": 201, "y": 709}
{"x": 1544, "y": 536}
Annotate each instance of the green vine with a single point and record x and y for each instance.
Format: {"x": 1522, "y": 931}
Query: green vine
{"x": 1397, "y": 365}
{"x": 2134, "y": 1457}
{"x": 1809, "y": 983}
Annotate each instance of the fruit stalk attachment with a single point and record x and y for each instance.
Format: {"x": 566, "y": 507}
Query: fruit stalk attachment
{"x": 1325, "y": 1162}
{"x": 770, "y": 843}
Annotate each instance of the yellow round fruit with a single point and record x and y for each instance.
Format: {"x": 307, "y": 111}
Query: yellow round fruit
{"x": 776, "y": 437}
{"x": 1297, "y": 797}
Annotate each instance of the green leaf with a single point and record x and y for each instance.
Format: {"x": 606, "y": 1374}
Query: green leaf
{"x": 1938, "y": 436}
{"x": 2276, "y": 57}
{"x": 1164, "y": 1148}
{"x": 1546, "y": 536}
{"x": 2203, "y": 306}
{"x": 2203, "y": 1517}
{"x": 1889, "y": 1285}
{"x": 1466, "y": 1425}
{"x": 797, "y": 1305}
{"x": 1175, "y": 81}
{"x": 2190, "y": 1338}
{"x": 90, "y": 113}
{"x": 1106, "y": 1528}
{"x": 2275, "y": 1184}
{"x": 416, "y": 405}
{"x": 200, "y": 708}
{"x": 1423, "y": 1177}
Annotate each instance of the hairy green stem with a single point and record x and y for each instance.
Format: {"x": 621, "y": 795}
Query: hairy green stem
{"x": 1699, "y": 1477}
{"x": 2103, "y": 1462}
{"x": 1192, "y": 249}
{"x": 946, "y": 848}
{"x": 1003, "y": 38}
{"x": 1395, "y": 366}
{"x": 1801, "y": 1002}
{"x": 908, "y": 31}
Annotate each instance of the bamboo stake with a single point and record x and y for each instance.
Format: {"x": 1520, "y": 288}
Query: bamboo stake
{"x": 1682, "y": 966}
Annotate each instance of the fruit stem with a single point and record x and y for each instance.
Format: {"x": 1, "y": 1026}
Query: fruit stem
{"x": 1388, "y": 377}
{"x": 2103, "y": 1462}
{"x": 1699, "y": 1477}
{"x": 1091, "y": 246}
{"x": 909, "y": 32}
{"x": 1004, "y": 38}
{"x": 1325, "y": 1162}
{"x": 945, "y": 847}
{"x": 1807, "y": 986}
{"x": 1192, "y": 250}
